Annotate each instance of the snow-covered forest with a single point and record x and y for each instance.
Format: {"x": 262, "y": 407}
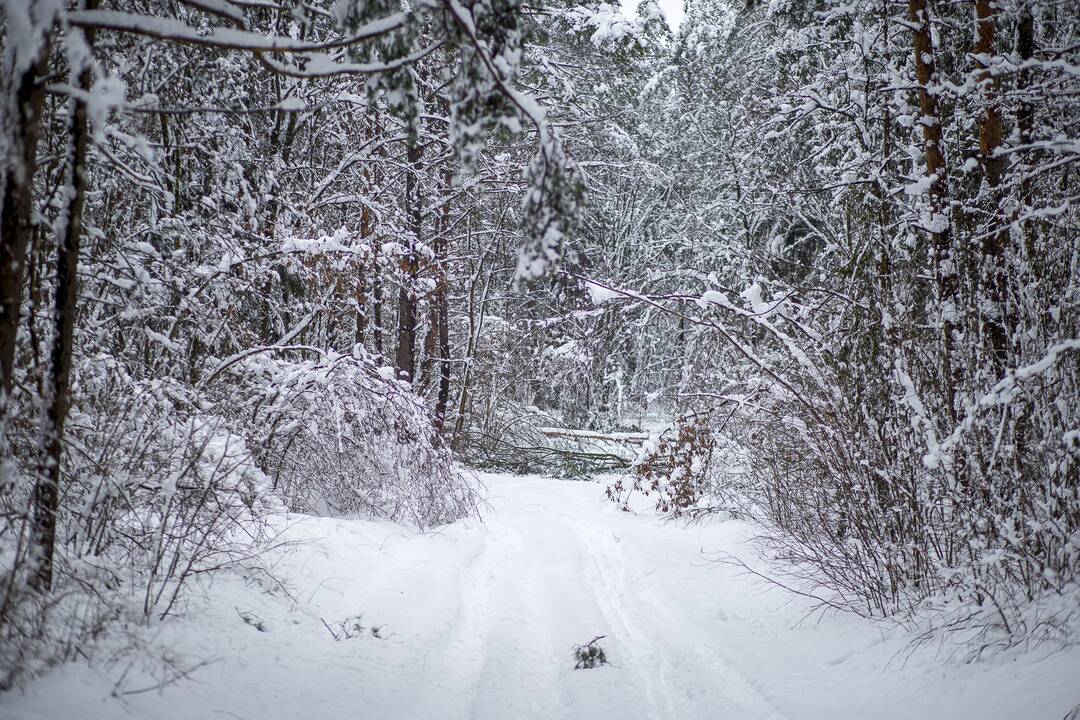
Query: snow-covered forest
{"x": 539, "y": 359}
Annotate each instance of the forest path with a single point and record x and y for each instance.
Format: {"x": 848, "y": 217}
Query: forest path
{"x": 478, "y": 621}
{"x": 556, "y": 570}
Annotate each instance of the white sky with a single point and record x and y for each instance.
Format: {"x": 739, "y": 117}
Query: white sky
{"x": 672, "y": 9}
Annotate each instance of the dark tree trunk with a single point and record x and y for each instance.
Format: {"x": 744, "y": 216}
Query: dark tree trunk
{"x": 925, "y": 72}
{"x": 16, "y": 226}
{"x": 442, "y": 307}
{"x": 407, "y": 300}
{"x": 376, "y": 301}
{"x": 47, "y": 489}
{"x": 1025, "y": 113}
{"x": 945, "y": 271}
{"x": 993, "y": 315}
{"x": 376, "y": 271}
{"x": 361, "y": 303}
{"x": 1025, "y": 121}
{"x": 365, "y": 238}
{"x": 990, "y": 121}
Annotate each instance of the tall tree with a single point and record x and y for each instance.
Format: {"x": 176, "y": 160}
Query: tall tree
{"x": 47, "y": 488}
{"x": 408, "y": 300}
{"x": 946, "y": 271}
{"x": 29, "y": 32}
{"x": 996, "y": 236}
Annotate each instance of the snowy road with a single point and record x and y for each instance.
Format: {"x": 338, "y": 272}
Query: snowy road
{"x": 553, "y": 571}
{"x": 478, "y": 621}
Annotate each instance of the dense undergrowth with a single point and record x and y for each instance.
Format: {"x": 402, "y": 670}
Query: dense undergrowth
{"x": 165, "y": 485}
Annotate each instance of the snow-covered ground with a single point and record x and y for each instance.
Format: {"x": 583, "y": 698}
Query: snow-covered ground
{"x": 478, "y": 620}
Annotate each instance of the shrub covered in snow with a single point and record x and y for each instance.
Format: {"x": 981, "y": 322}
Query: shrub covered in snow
{"x": 676, "y": 467}
{"x": 157, "y": 491}
{"x": 879, "y": 502}
{"x": 164, "y": 483}
{"x": 336, "y": 435}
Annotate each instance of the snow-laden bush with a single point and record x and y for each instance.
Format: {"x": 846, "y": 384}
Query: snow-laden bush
{"x": 882, "y": 504}
{"x": 677, "y": 467}
{"x": 340, "y": 435}
{"x": 164, "y": 483}
{"x": 157, "y": 491}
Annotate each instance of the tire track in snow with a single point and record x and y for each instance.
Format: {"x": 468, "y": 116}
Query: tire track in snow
{"x": 694, "y": 679}
{"x": 550, "y": 573}
{"x": 453, "y": 667}
{"x": 501, "y": 643}
{"x": 607, "y": 583}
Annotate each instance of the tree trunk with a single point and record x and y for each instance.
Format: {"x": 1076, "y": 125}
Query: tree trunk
{"x": 365, "y": 238}
{"x": 361, "y": 301}
{"x": 376, "y": 271}
{"x": 945, "y": 271}
{"x": 407, "y": 300}
{"x": 442, "y": 307}
{"x": 1025, "y": 114}
{"x": 990, "y": 121}
{"x": 47, "y": 489}
{"x": 376, "y": 301}
{"x": 475, "y": 310}
{"x": 1025, "y": 120}
{"x": 995, "y": 240}
{"x": 16, "y": 226}
{"x": 931, "y": 120}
